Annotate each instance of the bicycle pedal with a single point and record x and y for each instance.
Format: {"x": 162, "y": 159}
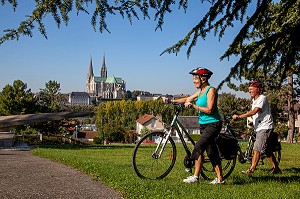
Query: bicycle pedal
{"x": 189, "y": 170}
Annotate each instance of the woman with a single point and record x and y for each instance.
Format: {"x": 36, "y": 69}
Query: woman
{"x": 210, "y": 124}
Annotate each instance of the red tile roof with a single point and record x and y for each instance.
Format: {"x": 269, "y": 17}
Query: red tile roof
{"x": 145, "y": 118}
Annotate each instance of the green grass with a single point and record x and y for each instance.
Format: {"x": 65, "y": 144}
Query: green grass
{"x": 112, "y": 166}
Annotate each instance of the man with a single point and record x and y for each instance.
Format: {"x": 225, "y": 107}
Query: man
{"x": 263, "y": 125}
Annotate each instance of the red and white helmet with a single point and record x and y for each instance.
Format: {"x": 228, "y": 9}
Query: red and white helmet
{"x": 203, "y": 72}
{"x": 255, "y": 83}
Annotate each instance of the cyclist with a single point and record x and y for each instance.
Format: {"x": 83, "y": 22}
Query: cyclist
{"x": 210, "y": 124}
{"x": 263, "y": 125}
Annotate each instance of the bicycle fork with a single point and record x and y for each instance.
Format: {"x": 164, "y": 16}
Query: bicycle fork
{"x": 162, "y": 144}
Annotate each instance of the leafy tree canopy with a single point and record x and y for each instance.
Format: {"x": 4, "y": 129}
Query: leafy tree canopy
{"x": 280, "y": 21}
{"x": 50, "y": 98}
{"x": 16, "y": 99}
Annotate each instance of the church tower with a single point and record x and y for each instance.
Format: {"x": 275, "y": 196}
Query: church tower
{"x": 103, "y": 69}
{"x": 90, "y": 84}
{"x": 104, "y": 87}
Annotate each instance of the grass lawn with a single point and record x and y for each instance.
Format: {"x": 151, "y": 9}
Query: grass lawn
{"x": 112, "y": 165}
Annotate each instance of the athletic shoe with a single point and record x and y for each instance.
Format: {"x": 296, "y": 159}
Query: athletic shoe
{"x": 276, "y": 171}
{"x": 248, "y": 172}
{"x": 191, "y": 179}
{"x": 217, "y": 181}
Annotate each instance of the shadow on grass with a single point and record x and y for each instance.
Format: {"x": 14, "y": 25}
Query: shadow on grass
{"x": 78, "y": 147}
{"x": 288, "y": 175}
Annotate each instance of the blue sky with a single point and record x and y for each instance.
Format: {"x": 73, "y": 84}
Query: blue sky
{"x": 132, "y": 52}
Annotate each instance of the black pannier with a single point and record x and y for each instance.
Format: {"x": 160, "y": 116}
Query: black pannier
{"x": 274, "y": 144}
{"x": 227, "y": 145}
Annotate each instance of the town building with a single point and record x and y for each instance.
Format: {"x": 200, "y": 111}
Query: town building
{"x": 79, "y": 98}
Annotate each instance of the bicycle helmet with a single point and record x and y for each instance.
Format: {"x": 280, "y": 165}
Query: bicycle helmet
{"x": 255, "y": 83}
{"x": 202, "y": 72}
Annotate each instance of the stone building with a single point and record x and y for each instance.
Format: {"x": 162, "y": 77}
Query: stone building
{"x": 103, "y": 86}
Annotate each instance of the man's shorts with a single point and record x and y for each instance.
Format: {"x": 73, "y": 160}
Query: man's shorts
{"x": 261, "y": 141}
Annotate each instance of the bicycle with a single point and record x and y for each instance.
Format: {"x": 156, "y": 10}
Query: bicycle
{"x": 243, "y": 157}
{"x": 154, "y": 155}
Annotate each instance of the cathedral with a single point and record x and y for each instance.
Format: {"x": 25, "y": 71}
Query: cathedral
{"x": 104, "y": 87}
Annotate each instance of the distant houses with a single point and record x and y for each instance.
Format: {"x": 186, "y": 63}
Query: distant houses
{"x": 150, "y": 123}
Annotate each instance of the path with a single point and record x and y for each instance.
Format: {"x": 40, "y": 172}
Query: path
{"x": 23, "y": 175}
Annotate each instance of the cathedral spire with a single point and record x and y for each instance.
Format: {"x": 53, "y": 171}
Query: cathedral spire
{"x": 90, "y": 71}
{"x": 103, "y": 69}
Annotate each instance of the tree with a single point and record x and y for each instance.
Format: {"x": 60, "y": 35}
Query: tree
{"x": 274, "y": 67}
{"x": 17, "y": 99}
{"x": 229, "y": 104}
{"x": 282, "y": 25}
{"x": 50, "y": 97}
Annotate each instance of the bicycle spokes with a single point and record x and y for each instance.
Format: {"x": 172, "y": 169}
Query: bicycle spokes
{"x": 155, "y": 160}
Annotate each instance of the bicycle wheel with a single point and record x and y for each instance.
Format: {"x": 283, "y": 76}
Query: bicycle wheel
{"x": 249, "y": 150}
{"x": 208, "y": 172}
{"x": 146, "y": 160}
{"x": 277, "y": 155}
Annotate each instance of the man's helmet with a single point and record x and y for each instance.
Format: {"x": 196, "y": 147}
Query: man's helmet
{"x": 202, "y": 72}
{"x": 255, "y": 83}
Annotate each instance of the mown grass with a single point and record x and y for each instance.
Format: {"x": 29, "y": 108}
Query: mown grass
{"x": 112, "y": 166}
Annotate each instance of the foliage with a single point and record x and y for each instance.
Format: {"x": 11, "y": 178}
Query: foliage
{"x": 144, "y": 131}
{"x": 269, "y": 36}
{"x": 282, "y": 130}
{"x": 50, "y": 127}
{"x": 97, "y": 140}
{"x": 112, "y": 165}
{"x": 50, "y": 98}
{"x": 229, "y": 105}
{"x": 16, "y": 99}
{"x": 268, "y": 41}
{"x": 114, "y": 119}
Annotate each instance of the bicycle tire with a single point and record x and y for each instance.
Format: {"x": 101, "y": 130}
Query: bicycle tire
{"x": 277, "y": 155}
{"x": 144, "y": 163}
{"x": 208, "y": 172}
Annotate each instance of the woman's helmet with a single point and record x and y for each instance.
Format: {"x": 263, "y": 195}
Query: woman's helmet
{"x": 255, "y": 83}
{"x": 202, "y": 72}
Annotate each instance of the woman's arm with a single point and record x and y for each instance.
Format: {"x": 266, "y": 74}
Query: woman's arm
{"x": 211, "y": 99}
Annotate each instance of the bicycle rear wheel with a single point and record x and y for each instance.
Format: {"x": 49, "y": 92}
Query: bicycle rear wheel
{"x": 208, "y": 172}
{"x": 277, "y": 155}
{"x": 146, "y": 160}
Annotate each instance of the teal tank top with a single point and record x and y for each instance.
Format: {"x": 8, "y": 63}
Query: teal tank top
{"x": 205, "y": 118}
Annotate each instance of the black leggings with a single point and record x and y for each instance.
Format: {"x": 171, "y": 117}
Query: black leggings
{"x": 207, "y": 142}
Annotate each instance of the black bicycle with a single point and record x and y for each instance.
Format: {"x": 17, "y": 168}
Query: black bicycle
{"x": 155, "y": 153}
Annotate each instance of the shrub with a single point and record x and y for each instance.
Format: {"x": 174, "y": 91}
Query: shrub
{"x": 97, "y": 140}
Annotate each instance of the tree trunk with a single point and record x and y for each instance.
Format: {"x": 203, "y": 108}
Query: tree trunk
{"x": 291, "y": 110}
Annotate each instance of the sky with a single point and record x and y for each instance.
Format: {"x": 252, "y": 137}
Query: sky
{"x": 131, "y": 52}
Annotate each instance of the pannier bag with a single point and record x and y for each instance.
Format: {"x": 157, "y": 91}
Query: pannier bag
{"x": 273, "y": 142}
{"x": 227, "y": 145}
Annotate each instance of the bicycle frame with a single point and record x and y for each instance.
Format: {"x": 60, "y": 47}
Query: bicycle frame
{"x": 181, "y": 131}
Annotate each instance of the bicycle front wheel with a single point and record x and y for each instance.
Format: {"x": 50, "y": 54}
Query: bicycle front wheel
{"x": 150, "y": 160}
{"x": 208, "y": 171}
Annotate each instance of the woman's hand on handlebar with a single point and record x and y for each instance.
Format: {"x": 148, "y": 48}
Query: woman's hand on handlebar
{"x": 166, "y": 99}
{"x": 188, "y": 104}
